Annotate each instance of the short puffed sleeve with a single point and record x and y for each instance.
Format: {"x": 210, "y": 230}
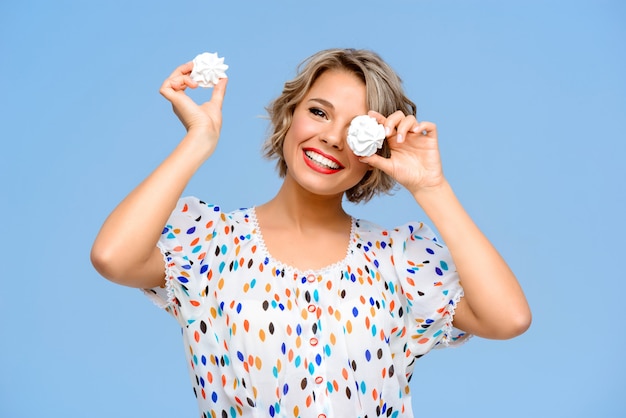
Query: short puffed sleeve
{"x": 431, "y": 288}
{"x": 187, "y": 242}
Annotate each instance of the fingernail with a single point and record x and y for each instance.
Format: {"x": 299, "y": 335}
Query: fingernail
{"x": 387, "y": 130}
{"x": 399, "y": 138}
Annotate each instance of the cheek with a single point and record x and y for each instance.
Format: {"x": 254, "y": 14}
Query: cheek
{"x": 367, "y": 172}
{"x": 302, "y": 129}
{"x": 298, "y": 132}
{"x": 358, "y": 166}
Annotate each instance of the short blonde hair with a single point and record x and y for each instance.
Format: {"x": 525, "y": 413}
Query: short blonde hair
{"x": 384, "y": 94}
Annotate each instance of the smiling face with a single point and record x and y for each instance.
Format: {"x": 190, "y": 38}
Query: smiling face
{"x": 315, "y": 150}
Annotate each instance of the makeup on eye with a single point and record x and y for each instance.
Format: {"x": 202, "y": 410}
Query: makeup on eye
{"x": 318, "y": 112}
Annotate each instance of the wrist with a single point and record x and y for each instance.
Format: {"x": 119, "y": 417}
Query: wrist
{"x": 443, "y": 208}
{"x": 199, "y": 143}
{"x": 437, "y": 191}
{"x": 439, "y": 202}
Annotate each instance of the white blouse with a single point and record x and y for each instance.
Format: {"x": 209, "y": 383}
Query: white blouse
{"x": 265, "y": 339}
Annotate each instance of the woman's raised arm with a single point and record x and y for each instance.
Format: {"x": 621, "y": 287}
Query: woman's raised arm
{"x": 124, "y": 250}
{"x": 494, "y": 305}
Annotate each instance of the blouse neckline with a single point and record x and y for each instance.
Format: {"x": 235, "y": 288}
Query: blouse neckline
{"x": 257, "y": 232}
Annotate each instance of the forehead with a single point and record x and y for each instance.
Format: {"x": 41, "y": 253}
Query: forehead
{"x": 338, "y": 87}
{"x": 338, "y": 76}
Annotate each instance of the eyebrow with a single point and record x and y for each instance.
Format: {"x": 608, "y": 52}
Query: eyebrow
{"x": 323, "y": 102}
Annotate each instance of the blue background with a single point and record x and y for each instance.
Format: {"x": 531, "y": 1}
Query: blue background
{"x": 530, "y": 102}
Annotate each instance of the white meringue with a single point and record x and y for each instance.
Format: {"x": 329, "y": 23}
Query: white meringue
{"x": 365, "y": 135}
{"x": 208, "y": 69}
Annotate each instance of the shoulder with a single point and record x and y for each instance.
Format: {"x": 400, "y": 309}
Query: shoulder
{"x": 371, "y": 232}
{"x": 191, "y": 206}
{"x": 194, "y": 218}
{"x": 197, "y": 210}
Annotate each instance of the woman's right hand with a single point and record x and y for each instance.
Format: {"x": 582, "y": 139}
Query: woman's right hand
{"x": 125, "y": 249}
{"x": 204, "y": 119}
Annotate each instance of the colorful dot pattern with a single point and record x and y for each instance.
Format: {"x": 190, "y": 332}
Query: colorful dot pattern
{"x": 265, "y": 339}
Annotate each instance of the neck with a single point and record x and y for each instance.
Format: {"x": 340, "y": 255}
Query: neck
{"x": 301, "y": 209}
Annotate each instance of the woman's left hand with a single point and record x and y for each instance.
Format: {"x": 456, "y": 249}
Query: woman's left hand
{"x": 415, "y": 161}
{"x": 494, "y": 305}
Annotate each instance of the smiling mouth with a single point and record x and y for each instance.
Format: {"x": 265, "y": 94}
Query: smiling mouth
{"x": 322, "y": 161}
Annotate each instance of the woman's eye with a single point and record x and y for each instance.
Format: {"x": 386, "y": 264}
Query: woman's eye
{"x": 317, "y": 112}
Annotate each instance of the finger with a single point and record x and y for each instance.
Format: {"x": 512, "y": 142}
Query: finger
{"x": 179, "y": 79}
{"x": 377, "y": 161}
{"x": 397, "y": 124}
{"x": 395, "y": 117}
{"x": 183, "y": 69}
{"x": 379, "y": 118}
{"x": 425, "y": 128}
{"x": 176, "y": 84}
{"x": 219, "y": 91}
{"x": 390, "y": 123}
{"x": 186, "y": 81}
{"x": 404, "y": 127}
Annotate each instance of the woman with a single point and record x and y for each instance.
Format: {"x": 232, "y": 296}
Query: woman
{"x": 293, "y": 307}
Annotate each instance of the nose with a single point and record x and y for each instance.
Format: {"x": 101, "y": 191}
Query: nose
{"x": 335, "y": 135}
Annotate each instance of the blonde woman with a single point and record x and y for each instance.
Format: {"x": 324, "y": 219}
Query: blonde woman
{"x": 293, "y": 307}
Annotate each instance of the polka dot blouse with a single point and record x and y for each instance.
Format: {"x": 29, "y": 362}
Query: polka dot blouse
{"x": 264, "y": 339}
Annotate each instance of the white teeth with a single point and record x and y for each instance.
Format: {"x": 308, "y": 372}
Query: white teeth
{"x": 321, "y": 160}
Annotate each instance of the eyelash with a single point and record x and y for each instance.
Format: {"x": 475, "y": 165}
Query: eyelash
{"x": 317, "y": 112}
